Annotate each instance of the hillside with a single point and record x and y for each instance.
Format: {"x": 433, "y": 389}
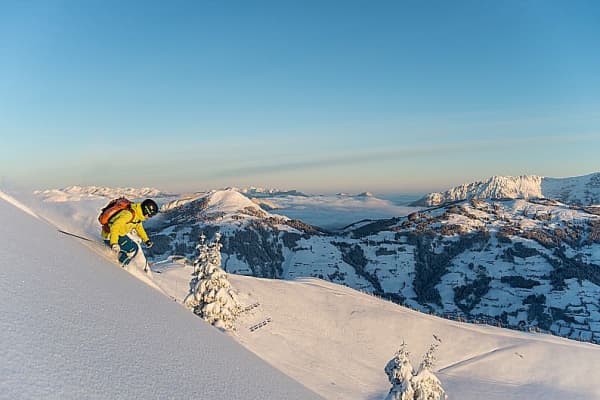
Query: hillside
{"x": 75, "y": 326}
{"x": 523, "y": 264}
{"x": 580, "y": 190}
{"x": 336, "y": 341}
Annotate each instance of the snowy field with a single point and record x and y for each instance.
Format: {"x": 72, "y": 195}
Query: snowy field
{"x": 333, "y": 340}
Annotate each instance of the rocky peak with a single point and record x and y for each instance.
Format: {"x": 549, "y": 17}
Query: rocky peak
{"x": 581, "y": 190}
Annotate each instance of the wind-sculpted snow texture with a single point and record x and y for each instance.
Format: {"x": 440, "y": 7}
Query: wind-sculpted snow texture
{"x": 522, "y": 264}
{"x": 582, "y": 190}
{"x": 74, "y": 326}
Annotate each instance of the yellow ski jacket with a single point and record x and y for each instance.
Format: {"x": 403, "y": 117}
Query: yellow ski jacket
{"x": 124, "y": 222}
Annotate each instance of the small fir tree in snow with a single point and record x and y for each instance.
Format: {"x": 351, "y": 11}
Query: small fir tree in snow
{"x": 211, "y": 295}
{"x": 408, "y": 385}
{"x": 400, "y": 373}
{"x": 191, "y": 300}
{"x": 427, "y": 386}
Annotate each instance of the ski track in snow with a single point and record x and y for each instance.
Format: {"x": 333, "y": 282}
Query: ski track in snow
{"x": 476, "y": 358}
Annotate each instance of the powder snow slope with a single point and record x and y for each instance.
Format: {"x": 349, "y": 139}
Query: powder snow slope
{"x": 74, "y": 326}
{"x": 337, "y": 341}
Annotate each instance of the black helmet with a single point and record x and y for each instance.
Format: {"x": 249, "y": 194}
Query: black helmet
{"x": 149, "y": 208}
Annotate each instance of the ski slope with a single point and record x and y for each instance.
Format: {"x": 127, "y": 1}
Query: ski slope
{"x": 75, "y": 326}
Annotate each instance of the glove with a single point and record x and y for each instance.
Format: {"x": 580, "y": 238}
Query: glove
{"x": 116, "y": 248}
{"x": 148, "y": 243}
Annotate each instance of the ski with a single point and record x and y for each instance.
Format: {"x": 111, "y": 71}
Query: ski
{"x": 79, "y": 237}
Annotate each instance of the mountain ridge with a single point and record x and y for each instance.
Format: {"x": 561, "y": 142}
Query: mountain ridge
{"x": 579, "y": 190}
{"x": 73, "y": 193}
{"x": 508, "y": 262}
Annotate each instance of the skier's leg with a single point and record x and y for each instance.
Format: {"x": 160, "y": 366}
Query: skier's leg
{"x": 129, "y": 249}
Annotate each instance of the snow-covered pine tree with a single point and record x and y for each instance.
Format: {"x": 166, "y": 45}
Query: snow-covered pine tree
{"x": 406, "y": 385}
{"x": 400, "y": 373}
{"x": 211, "y": 295}
{"x": 191, "y": 300}
{"x": 426, "y": 385}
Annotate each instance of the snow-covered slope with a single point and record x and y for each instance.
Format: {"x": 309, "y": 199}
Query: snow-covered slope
{"x": 334, "y": 340}
{"x": 337, "y": 342}
{"x": 580, "y": 190}
{"x": 11, "y": 200}
{"x": 74, "y": 326}
{"x": 227, "y": 201}
{"x": 181, "y": 201}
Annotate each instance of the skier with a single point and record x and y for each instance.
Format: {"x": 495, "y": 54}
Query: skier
{"x": 129, "y": 217}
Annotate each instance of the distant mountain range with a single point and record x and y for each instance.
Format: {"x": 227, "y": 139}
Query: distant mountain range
{"x": 253, "y": 191}
{"x": 523, "y": 263}
{"x": 580, "y": 190}
{"x": 75, "y": 193}
{"x": 520, "y": 252}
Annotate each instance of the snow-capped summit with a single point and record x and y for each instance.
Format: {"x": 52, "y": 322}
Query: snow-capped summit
{"x": 580, "y": 190}
{"x": 181, "y": 201}
{"x": 228, "y": 205}
{"x": 228, "y": 201}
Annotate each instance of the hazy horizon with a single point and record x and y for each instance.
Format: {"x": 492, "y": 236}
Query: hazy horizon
{"x": 398, "y": 196}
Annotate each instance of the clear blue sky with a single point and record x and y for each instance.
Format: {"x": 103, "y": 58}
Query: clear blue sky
{"x": 322, "y": 96}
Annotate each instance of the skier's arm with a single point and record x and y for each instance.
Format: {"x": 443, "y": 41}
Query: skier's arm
{"x": 142, "y": 232}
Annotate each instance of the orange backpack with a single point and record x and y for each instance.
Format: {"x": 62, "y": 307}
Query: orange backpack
{"x": 113, "y": 208}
